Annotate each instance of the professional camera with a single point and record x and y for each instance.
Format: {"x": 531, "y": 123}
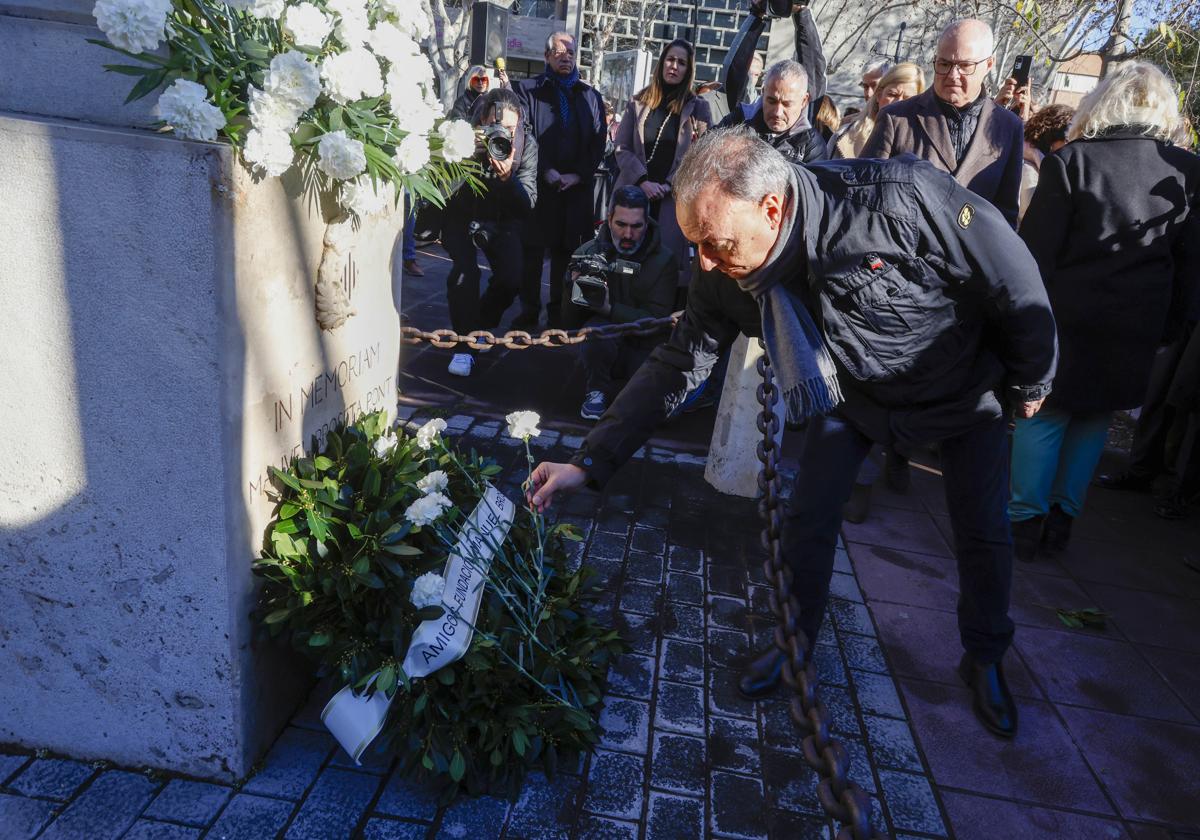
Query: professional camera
{"x": 774, "y": 8}
{"x": 481, "y": 233}
{"x": 494, "y": 140}
{"x": 590, "y": 288}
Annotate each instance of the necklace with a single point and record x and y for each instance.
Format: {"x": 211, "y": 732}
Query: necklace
{"x": 661, "y": 129}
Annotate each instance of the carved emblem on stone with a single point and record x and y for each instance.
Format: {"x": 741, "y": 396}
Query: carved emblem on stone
{"x": 336, "y": 276}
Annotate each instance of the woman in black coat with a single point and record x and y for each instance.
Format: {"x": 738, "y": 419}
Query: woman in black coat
{"x": 1107, "y": 224}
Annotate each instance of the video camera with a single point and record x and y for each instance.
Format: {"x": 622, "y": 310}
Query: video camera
{"x": 494, "y": 141}
{"x": 481, "y": 233}
{"x": 590, "y": 288}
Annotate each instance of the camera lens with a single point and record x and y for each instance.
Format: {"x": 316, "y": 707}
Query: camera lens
{"x": 499, "y": 147}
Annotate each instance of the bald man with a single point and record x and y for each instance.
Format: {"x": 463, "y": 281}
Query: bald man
{"x": 955, "y": 126}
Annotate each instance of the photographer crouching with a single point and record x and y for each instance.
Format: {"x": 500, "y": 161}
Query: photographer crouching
{"x": 491, "y": 220}
{"x": 622, "y": 275}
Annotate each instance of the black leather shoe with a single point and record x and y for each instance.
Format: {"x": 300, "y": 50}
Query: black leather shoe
{"x": 1056, "y": 533}
{"x": 761, "y": 675}
{"x": 1027, "y": 536}
{"x": 858, "y": 506}
{"x": 896, "y": 473}
{"x": 1135, "y": 482}
{"x": 993, "y": 703}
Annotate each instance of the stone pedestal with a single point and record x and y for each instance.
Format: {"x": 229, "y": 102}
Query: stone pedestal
{"x": 732, "y": 455}
{"x": 161, "y": 352}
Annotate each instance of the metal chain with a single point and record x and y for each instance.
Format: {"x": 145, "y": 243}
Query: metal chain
{"x": 842, "y": 799}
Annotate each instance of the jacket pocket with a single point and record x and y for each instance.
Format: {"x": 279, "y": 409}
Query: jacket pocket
{"x": 882, "y": 317}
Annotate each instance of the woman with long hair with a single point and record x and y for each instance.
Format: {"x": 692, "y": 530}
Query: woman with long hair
{"x": 903, "y": 81}
{"x": 659, "y": 125}
{"x": 1112, "y": 224}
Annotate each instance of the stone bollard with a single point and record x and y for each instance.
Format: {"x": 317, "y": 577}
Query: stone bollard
{"x": 732, "y": 460}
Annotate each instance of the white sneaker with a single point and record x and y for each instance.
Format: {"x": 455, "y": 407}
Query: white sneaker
{"x": 461, "y": 364}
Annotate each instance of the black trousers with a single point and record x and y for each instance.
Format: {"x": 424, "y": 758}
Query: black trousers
{"x": 1148, "y": 455}
{"x": 531, "y": 283}
{"x": 975, "y": 466}
{"x": 469, "y": 311}
{"x": 607, "y": 364}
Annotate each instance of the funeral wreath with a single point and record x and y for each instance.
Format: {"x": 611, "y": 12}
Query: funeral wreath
{"x": 381, "y": 547}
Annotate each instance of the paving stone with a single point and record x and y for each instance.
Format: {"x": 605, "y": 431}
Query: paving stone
{"x": 22, "y": 818}
{"x": 335, "y": 805}
{"x": 192, "y": 803}
{"x": 681, "y": 621}
{"x": 625, "y": 725}
{"x": 828, "y": 661}
{"x": 639, "y": 631}
{"x": 52, "y": 778}
{"x": 844, "y": 586}
{"x": 546, "y": 807}
{"x": 760, "y": 601}
{"x": 787, "y": 825}
{"x": 603, "y": 828}
{"x": 571, "y": 442}
{"x": 607, "y": 571}
{"x": 10, "y": 764}
{"x": 678, "y": 764}
{"x": 106, "y": 809}
{"x": 404, "y": 797}
{"x": 152, "y": 830}
{"x": 723, "y": 696}
{"x": 631, "y": 675}
{"x": 729, "y": 613}
{"x": 778, "y": 731}
{"x": 682, "y": 662}
{"x": 791, "y": 784}
{"x": 602, "y": 608}
{"x": 643, "y": 566}
{"x": 674, "y": 817}
{"x": 892, "y": 744}
{"x": 727, "y": 648}
{"x": 474, "y": 817}
{"x": 582, "y": 502}
{"x": 680, "y": 708}
{"x": 251, "y": 816}
{"x": 737, "y": 806}
{"x": 841, "y": 561}
{"x": 459, "y": 423}
{"x": 727, "y": 580}
{"x": 683, "y": 559}
{"x": 615, "y": 785}
{"x": 384, "y": 829}
{"x": 863, "y": 653}
{"x": 375, "y": 762}
{"x": 654, "y": 517}
{"x": 607, "y": 545}
{"x": 292, "y": 764}
{"x": 860, "y": 764}
{"x": 910, "y": 802}
{"x": 640, "y": 597}
{"x": 876, "y": 693}
{"x": 685, "y": 588}
{"x": 650, "y": 540}
{"x": 733, "y": 744}
{"x": 978, "y": 816}
{"x": 850, "y": 617}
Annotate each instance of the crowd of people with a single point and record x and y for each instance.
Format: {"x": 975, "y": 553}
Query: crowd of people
{"x": 936, "y": 266}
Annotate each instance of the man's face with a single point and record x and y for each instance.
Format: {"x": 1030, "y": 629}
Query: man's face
{"x": 961, "y": 64}
{"x": 870, "y": 81}
{"x": 627, "y": 226}
{"x": 560, "y": 58}
{"x": 784, "y": 101}
{"x": 731, "y": 236}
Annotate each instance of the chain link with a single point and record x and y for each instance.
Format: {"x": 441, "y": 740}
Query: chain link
{"x": 842, "y": 799}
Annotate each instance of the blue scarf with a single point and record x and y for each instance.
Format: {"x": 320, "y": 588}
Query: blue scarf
{"x": 795, "y": 347}
{"x": 564, "y": 87}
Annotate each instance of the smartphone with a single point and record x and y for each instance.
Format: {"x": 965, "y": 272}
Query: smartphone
{"x": 1021, "y": 68}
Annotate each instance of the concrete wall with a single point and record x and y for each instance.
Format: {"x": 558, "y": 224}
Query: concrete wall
{"x": 160, "y": 352}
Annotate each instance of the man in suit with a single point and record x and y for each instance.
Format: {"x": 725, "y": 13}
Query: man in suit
{"x": 955, "y": 126}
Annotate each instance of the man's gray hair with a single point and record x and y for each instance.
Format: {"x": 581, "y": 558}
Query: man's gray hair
{"x": 555, "y": 36}
{"x": 737, "y": 160}
{"x": 787, "y": 70}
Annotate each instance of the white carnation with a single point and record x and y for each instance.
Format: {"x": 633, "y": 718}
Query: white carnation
{"x": 409, "y": 70}
{"x": 184, "y": 106}
{"x": 428, "y": 434}
{"x": 412, "y": 154}
{"x": 307, "y": 25}
{"x": 427, "y": 590}
{"x": 352, "y": 75}
{"x": 415, "y": 22}
{"x": 353, "y": 28}
{"x": 387, "y": 41}
{"x": 363, "y": 198}
{"x": 293, "y": 79}
{"x": 523, "y": 424}
{"x": 458, "y": 140}
{"x": 270, "y": 151}
{"x": 435, "y": 482}
{"x": 261, "y": 9}
{"x": 341, "y": 157}
{"x": 408, "y": 105}
{"x": 428, "y": 509}
{"x": 133, "y": 25}
{"x": 384, "y": 444}
{"x": 270, "y": 113}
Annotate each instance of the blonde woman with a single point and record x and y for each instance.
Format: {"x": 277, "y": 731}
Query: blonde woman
{"x": 1112, "y": 224}
{"x": 659, "y": 126}
{"x": 903, "y": 81}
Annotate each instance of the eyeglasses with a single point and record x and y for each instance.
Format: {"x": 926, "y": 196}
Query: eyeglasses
{"x": 560, "y": 53}
{"x": 942, "y": 66}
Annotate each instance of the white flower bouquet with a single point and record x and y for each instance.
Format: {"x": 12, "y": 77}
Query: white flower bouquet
{"x": 341, "y": 89}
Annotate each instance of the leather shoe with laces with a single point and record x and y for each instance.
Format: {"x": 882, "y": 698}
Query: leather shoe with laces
{"x": 761, "y": 675}
{"x": 992, "y": 701}
{"x": 1127, "y": 481}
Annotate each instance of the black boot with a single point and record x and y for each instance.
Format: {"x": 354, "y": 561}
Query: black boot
{"x": 761, "y": 675}
{"x": 858, "y": 506}
{"x": 1056, "y": 533}
{"x": 896, "y": 473}
{"x": 993, "y": 703}
{"x": 1130, "y": 480}
{"x": 1027, "y": 536}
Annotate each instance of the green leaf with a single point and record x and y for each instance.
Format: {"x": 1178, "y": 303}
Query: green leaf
{"x": 371, "y": 482}
{"x": 253, "y": 49}
{"x": 458, "y": 766}
{"x": 446, "y": 676}
{"x": 319, "y": 639}
{"x": 287, "y": 478}
{"x": 419, "y": 705}
{"x": 147, "y": 85}
{"x": 362, "y": 565}
{"x": 322, "y": 463}
{"x": 289, "y": 509}
{"x": 391, "y": 565}
{"x": 396, "y": 533}
{"x": 402, "y": 550}
{"x": 317, "y": 526}
{"x": 130, "y": 69}
{"x": 519, "y": 739}
{"x": 277, "y": 616}
{"x": 387, "y": 679}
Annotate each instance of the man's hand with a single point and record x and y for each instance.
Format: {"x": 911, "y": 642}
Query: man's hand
{"x": 550, "y": 478}
{"x": 552, "y": 177}
{"x": 1028, "y": 409}
{"x": 1024, "y": 103}
{"x": 502, "y": 168}
{"x": 565, "y": 182}
{"x": 1007, "y": 91}
{"x": 652, "y": 190}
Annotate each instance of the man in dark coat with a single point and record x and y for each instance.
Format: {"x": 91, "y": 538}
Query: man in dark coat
{"x": 955, "y": 125}
{"x": 737, "y": 69}
{"x": 782, "y": 117}
{"x": 567, "y": 118}
{"x": 931, "y": 319}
